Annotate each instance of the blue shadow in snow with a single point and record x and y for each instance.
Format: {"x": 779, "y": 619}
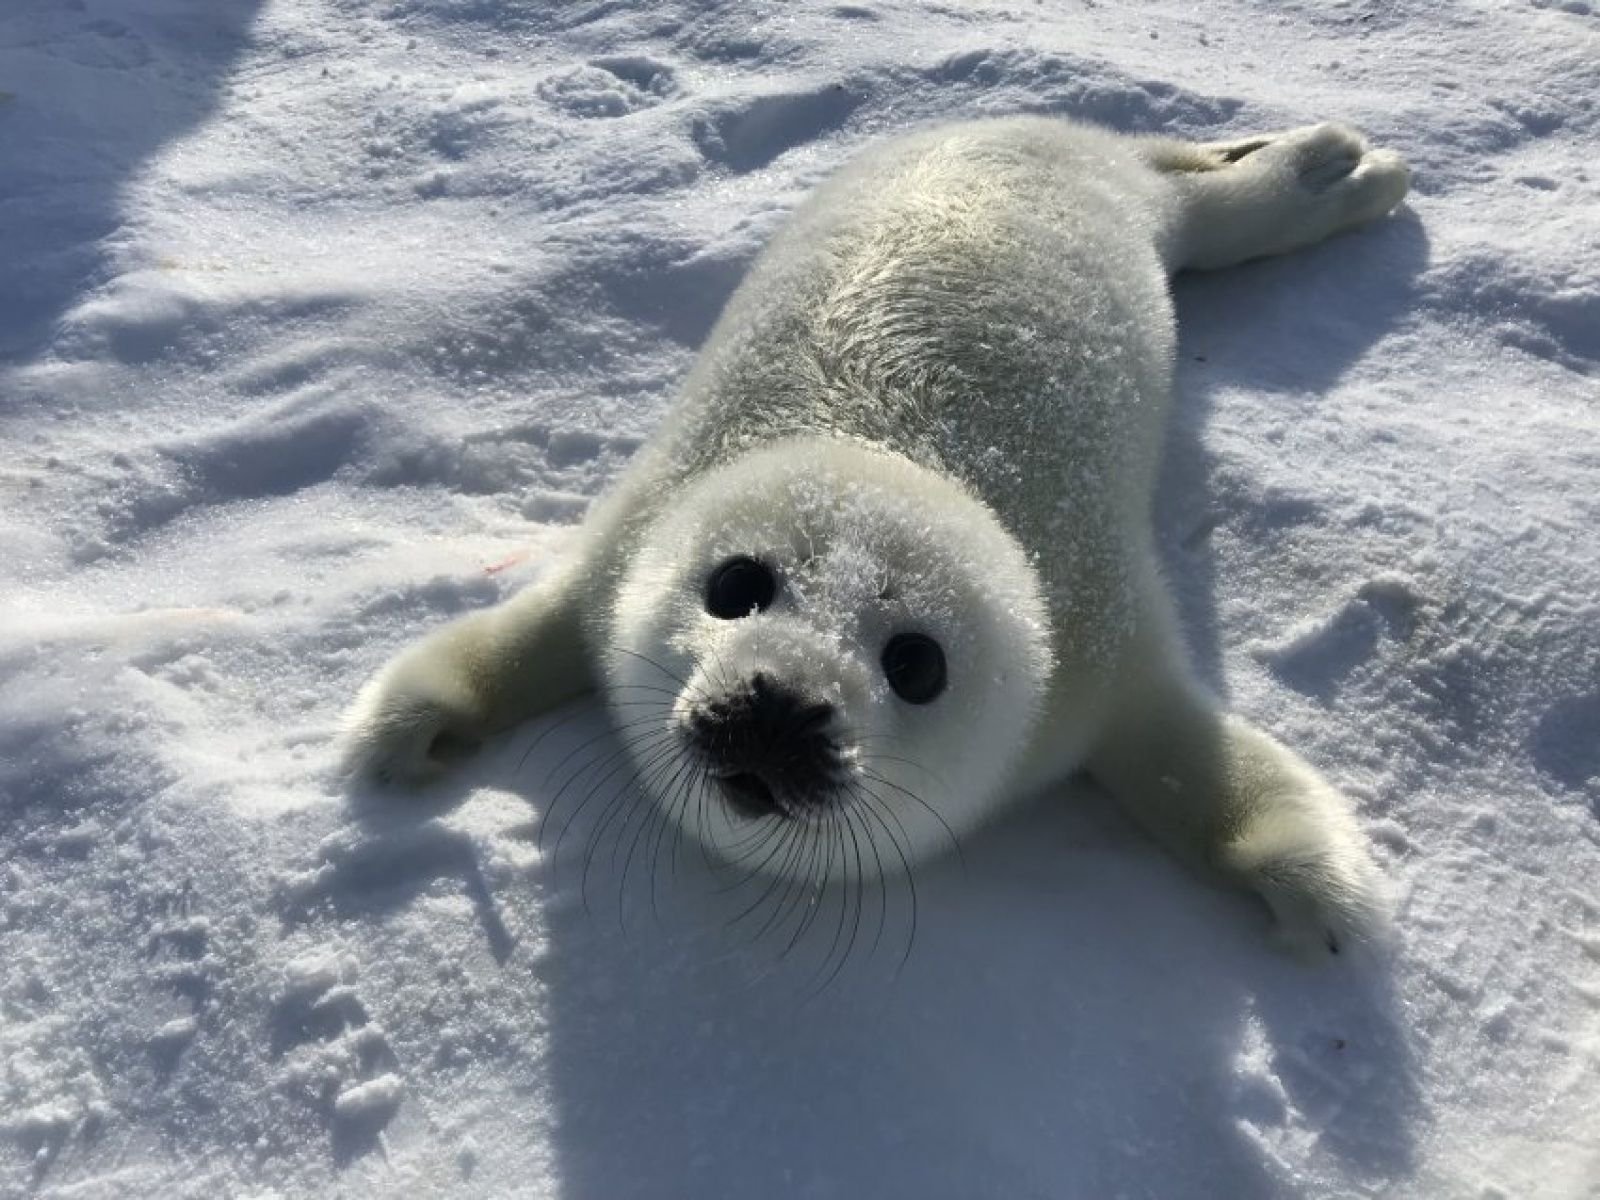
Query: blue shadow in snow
{"x": 92, "y": 91}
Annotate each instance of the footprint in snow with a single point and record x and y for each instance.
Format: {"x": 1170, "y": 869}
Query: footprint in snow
{"x": 609, "y": 87}
{"x": 180, "y": 949}
{"x": 1318, "y": 655}
{"x": 337, "y": 1060}
{"x": 752, "y": 135}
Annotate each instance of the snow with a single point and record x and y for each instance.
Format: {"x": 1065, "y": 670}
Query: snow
{"x": 323, "y": 320}
{"x": 373, "y": 1100}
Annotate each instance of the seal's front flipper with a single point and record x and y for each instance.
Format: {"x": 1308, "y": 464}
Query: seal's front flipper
{"x": 1224, "y": 795}
{"x": 435, "y": 702}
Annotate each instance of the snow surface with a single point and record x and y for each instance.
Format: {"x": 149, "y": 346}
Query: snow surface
{"x": 322, "y": 321}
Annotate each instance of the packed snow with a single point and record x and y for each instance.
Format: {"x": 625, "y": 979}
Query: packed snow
{"x": 322, "y": 321}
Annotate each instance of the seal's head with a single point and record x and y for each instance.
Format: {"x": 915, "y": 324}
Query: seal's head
{"x": 834, "y": 640}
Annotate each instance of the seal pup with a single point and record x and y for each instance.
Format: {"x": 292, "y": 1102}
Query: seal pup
{"x": 889, "y": 561}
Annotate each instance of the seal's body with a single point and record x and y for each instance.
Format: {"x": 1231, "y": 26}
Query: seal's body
{"x": 890, "y": 556}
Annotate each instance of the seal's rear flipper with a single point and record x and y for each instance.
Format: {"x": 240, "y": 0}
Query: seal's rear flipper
{"x": 1274, "y": 193}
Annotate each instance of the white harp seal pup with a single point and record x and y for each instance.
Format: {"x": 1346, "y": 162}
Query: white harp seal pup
{"x": 889, "y": 562}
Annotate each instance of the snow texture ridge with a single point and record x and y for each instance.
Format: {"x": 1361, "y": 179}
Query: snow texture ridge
{"x": 323, "y": 319}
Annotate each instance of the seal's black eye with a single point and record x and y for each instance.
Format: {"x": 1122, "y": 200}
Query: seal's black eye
{"x": 914, "y": 664}
{"x": 739, "y": 587}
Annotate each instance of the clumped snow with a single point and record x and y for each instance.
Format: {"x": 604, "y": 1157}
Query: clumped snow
{"x": 323, "y": 320}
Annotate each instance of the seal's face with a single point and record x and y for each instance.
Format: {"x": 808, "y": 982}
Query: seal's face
{"x": 831, "y": 641}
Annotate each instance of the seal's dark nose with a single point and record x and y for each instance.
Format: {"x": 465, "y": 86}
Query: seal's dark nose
{"x": 768, "y": 746}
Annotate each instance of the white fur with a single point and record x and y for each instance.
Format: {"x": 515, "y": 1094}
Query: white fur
{"x": 868, "y": 545}
{"x": 951, "y": 369}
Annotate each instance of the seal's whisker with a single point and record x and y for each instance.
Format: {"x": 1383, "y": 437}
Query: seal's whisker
{"x": 877, "y": 874}
{"x": 775, "y": 831}
{"x": 619, "y": 804}
{"x": 549, "y": 729}
{"x": 672, "y": 813}
{"x": 872, "y": 757}
{"x": 955, "y": 842}
{"x": 654, "y": 815}
{"x": 702, "y": 837}
{"x": 623, "y": 761}
{"x": 661, "y": 759}
{"x": 851, "y": 902}
{"x": 792, "y": 843}
{"x": 698, "y": 786}
{"x": 769, "y": 830}
{"x": 794, "y": 896}
{"x": 612, "y": 733}
{"x": 657, "y": 814}
{"x": 851, "y": 823}
{"x": 672, "y": 693}
{"x": 613, "y": 762}
{"x": 810, "y": 898}
{"x": 839, "y": 817}
{"x": 887, "y": 811}
{"x": 872, "y": 809}
{"x": 742, "y": 848}
{"x": 618, "y": 751}
{"x": 678, "y": 679}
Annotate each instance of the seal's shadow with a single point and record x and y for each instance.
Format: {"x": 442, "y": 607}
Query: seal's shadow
{"x": 1078, "y": 1016}
{"x": 1289, "y": 327}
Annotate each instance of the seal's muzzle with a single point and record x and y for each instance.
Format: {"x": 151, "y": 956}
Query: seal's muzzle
{"x": 768, "y": 746}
